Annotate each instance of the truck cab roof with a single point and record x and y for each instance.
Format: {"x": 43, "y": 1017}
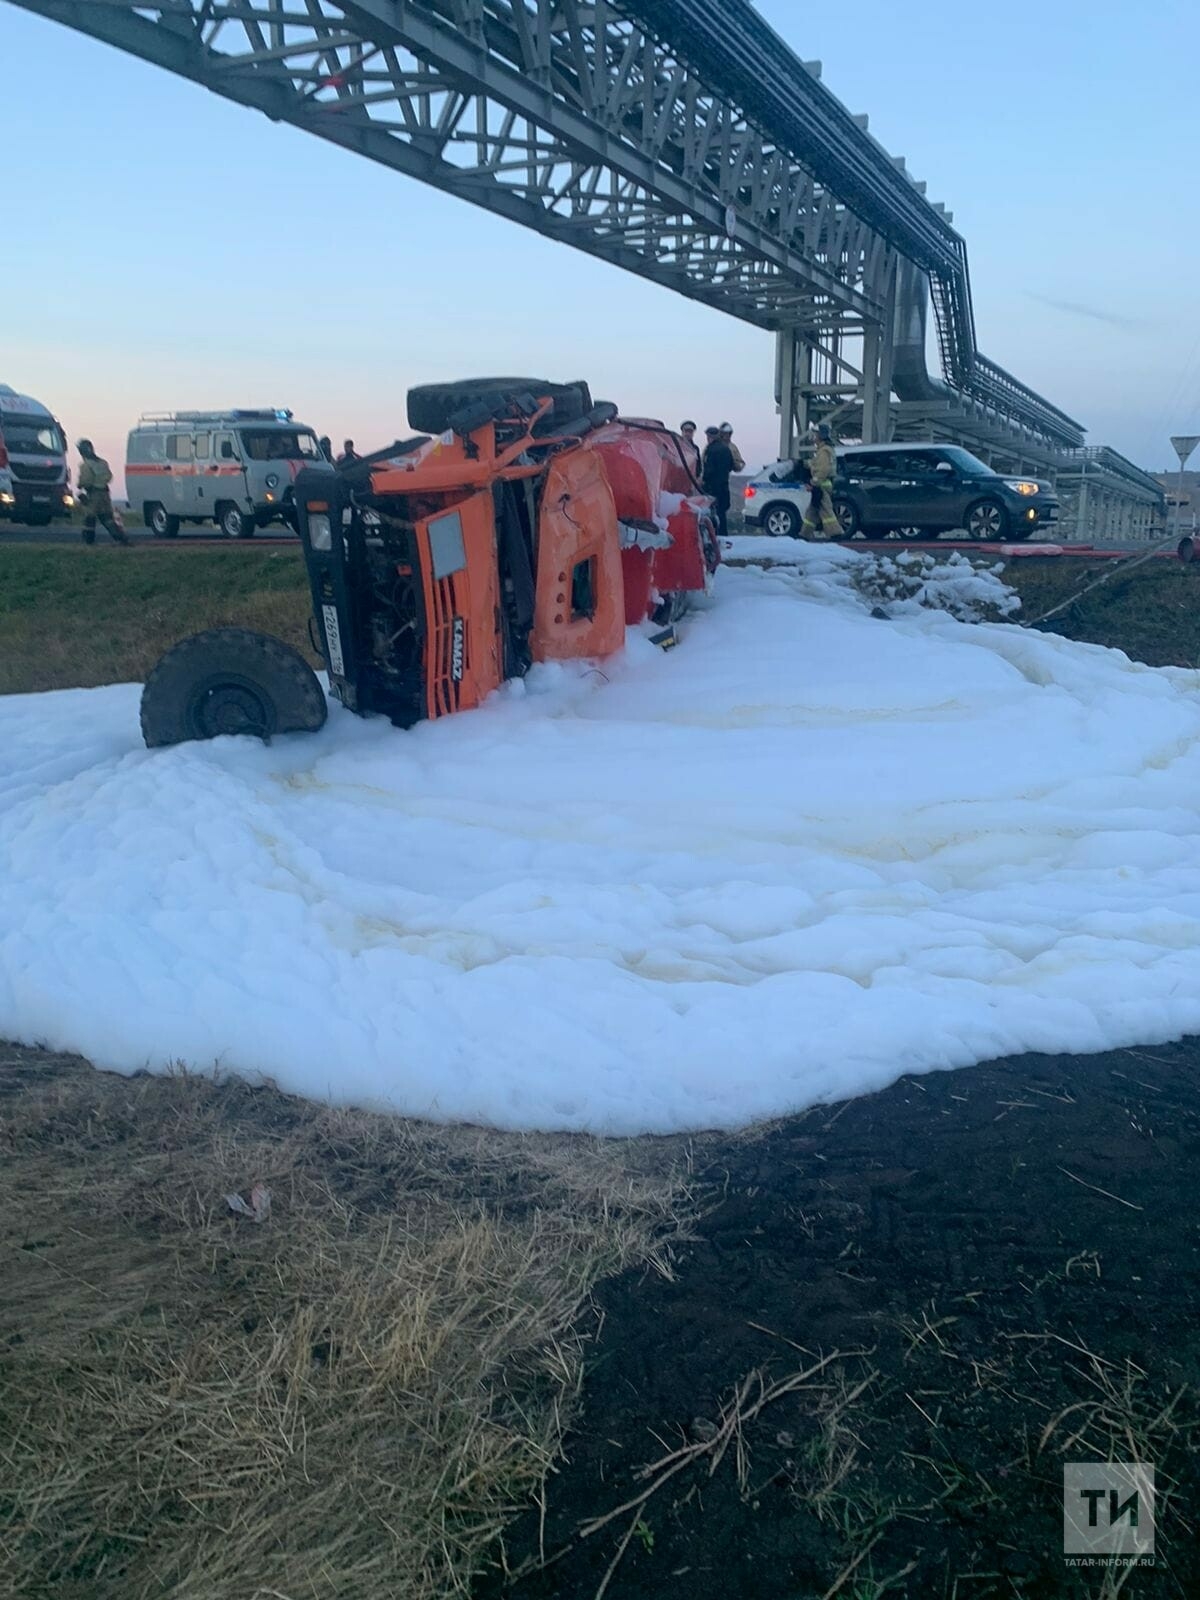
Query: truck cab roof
{"x": 22, "y": 405}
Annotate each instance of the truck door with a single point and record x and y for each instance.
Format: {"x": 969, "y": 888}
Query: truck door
{"x": 225, "y": 470}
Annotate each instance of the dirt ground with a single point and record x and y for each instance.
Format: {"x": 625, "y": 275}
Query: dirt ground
{"x": 972, "y": 1279}
{"x": 1151, "y": 612}
{"x": 894, "y": 1322}
{"x": 342, "y": 1397}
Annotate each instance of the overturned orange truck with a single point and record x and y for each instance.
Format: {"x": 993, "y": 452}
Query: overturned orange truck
{"x": 522, "y": 523}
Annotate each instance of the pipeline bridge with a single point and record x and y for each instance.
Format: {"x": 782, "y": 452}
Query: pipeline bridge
{"x": 681, "y": 140}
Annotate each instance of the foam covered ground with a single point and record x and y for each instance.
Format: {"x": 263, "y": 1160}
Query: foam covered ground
{"x": 805, "y": 852}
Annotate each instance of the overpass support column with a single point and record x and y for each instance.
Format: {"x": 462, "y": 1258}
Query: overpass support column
{"x": 879, "y": 348}
{"x": 793, "y": 381}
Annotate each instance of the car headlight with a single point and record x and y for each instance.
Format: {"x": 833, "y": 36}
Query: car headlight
{"x": 320, "y": 531}
{"x": 1021, "y": 486}
{"x": 272, "y": 480}
{"x": 68, "y": 501}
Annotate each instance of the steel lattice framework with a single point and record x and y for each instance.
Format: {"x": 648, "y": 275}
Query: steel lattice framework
{"x": 678, "y": 139}
{"x": 570, "y": 118}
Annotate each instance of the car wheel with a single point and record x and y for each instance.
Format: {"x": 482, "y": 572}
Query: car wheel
{"x": 847, "y": 514}
{"x": 233, "y": 522}
{"x": 160, "y": 521}
{"x": 781, "y": 521}
{"x": 987, "y": 520}
{"x": 230, "y": 681}
{"x": 910, "y": 533}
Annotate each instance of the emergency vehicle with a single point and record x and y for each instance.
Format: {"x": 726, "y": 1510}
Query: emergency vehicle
{"x": 35, "y": 483}
{"x": 235, "y": 468}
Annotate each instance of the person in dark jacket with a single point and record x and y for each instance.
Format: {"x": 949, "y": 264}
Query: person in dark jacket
{"x": 717, "y": 470}
{"x": 349, "y": 454}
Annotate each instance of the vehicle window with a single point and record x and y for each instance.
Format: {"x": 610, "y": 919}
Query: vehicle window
{"x": 30, "y": 436}
{"x": 225, "y": 447}
{"x": 881, "y": 464}
{"x": 964, "y": 460}
{"x": 916, "y": 464}
{"x": 279, "y": 444}
{"x": 202, "y": 446}
{"x": 147, "y": 447}
{"x": 179, "y": 447}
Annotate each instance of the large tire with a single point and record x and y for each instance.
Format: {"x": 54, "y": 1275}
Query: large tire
{"x": 230, "y": 681}
{"x": 160, "y": 521}
{"x": 433, "y": 406}
{"x": 987, "y": 519}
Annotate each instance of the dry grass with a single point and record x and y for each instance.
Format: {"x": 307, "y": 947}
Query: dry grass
{"x": 73, "y": 617}
{"x": 347, "y": 1400}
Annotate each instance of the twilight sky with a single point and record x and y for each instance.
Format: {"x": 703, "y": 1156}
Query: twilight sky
{"x": 166, "y": 248}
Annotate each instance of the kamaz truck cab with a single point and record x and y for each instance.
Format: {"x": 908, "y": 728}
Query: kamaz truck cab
{"x": 36, "y": 450}
{"x": 522, "y": 524}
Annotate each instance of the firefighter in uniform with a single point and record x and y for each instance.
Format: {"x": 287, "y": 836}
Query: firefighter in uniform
{"x": 823, "y": 467}
{"x": 95, "y": 475}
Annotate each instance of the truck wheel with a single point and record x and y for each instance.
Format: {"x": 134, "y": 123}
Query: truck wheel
{"x": 431, "y": 406}
{"x": 160, "y": 521}
{"x": 233, "y": 522}
{"x": 230, "y": 681}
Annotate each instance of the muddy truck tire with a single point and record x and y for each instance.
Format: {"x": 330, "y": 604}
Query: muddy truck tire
{"x": 230, "y": 681}
{"x": 433, "y": 407}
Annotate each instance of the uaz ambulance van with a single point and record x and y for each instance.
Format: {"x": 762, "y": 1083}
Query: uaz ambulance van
{"x": 235, "y": 468}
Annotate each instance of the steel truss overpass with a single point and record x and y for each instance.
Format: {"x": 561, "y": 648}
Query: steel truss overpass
{"x": 679, "y": 139}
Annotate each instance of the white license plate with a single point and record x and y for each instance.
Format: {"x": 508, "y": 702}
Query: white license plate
{"x": 333, "y": 641}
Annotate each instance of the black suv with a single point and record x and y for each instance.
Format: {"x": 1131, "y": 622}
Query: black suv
{"x": 917, "y": 490}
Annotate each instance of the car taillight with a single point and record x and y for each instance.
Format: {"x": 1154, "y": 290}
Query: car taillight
{"x": 750, "y": 491}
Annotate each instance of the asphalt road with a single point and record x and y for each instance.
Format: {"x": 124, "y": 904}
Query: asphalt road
{"x": 70, "y": 533}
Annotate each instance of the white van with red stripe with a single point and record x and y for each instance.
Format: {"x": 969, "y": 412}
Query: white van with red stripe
{"x": 235, "y": 468}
